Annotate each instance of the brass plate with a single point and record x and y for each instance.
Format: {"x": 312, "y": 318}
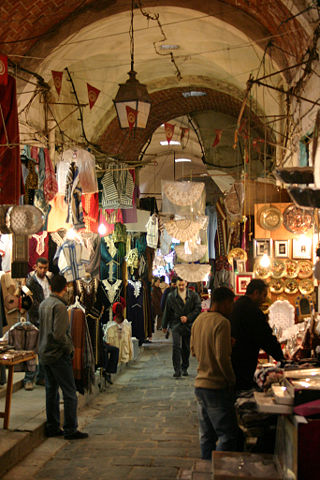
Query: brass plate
{"x": 238, "y": 253}
{"x": 278, "y": 269}
{"x": 292, "y": 268}
{"x": 270, "y": 218}
{"x": 306, "y": 286}
{"x": 261, "y": 272}
{"x": 305, "y": 269}
{"x": 276, "y": 286}
{"x": 291, "y": 286}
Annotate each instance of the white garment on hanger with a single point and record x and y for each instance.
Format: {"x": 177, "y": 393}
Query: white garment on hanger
{"x": 5, "y": 251}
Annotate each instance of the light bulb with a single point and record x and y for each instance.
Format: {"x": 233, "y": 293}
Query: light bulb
{"x": 102, "y": 229}
{"x": 265, "y": 261}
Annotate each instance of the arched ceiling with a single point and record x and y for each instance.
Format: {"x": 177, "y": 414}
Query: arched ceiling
{"x": 221, "y": 42}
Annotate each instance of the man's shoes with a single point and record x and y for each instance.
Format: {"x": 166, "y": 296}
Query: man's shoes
{"x": 76, "y": 435}
{"x": 28, "y": 386}
{"x": 107, "y": 376}
{"x": 57, "y": 433}
{"x": 185, "y": 373}
{"x": 41, "y": 382}
{"x": 177, "y": 374}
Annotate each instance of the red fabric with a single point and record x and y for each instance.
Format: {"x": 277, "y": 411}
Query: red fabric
{"x": 3, "y": 70}
{"x": 33, "y": 254}
{"x": 93, "y": 94}
{"x": 57, "y": 80}
{"x": 50, "y": 185}
{"x": 90, "y": 206}
{"x": 169, "y": 129}
{"x": 10, "y": 164}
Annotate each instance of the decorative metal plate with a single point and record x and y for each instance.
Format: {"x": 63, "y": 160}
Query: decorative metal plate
{"x": 270, "y": 218}
{"x": 276, "y": 286}
{"x": 261, "y": 272}
{"x": 278, "y": 269}
{"x": 306, "y": 286}
{"x": 296, "y": 220}
{"x": 305, "y": 269}
{"x": 291, "y": 286}
{"x": 292, "y": 268}
{"x": 237, "y": 253}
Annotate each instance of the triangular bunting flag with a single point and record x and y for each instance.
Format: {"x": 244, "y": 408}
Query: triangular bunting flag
{"x": 169, "y": 129}
{"x": 217, "y": 138}
{"x": 57, "y": 80}
{"x": 184, "y": 132}
{"x": 132, "y": 115}
{"x": 3, "y": 70}
{"x": 93, "y": 94}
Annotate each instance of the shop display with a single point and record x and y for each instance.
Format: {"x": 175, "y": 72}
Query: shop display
{"x": 296, "y": 220}
{"x": 270, "y": 218}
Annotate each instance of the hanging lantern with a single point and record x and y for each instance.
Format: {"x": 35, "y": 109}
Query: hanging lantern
{"x": 132, "y": 101}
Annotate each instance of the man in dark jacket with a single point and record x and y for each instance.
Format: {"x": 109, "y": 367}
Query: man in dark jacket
{"x": 182, "y": 308}
{"x": 55, "y": 350}
{"x": 39, "y": 284}
{"x": 251, "y": 331}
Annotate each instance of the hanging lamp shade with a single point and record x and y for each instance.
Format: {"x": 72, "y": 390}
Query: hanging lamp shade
{"x": 135, "y": 96}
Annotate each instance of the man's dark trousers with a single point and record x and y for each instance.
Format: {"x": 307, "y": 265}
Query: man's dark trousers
{"x": 60, "y": 374}
{"x": 180, "y": 350}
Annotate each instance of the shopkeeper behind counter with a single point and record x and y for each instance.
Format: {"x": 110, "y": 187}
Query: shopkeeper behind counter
{"x": 251, "y": 331}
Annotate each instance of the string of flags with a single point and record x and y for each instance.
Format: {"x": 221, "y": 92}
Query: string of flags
{"x": 93, "y": 92}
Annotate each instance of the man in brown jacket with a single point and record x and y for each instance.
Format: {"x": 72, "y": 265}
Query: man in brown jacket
{"x": 214, "y": 384}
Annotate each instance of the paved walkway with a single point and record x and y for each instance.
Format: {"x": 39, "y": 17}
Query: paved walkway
{"x": 143, "y": 427}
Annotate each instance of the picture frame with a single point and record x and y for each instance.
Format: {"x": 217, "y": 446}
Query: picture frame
{"x": 240, "y": 266}
{"x": 302, "y": 250}
{"x": 241, "y": 282}
{"x": 281, "y": 248}
{"x": 262, "y": 246}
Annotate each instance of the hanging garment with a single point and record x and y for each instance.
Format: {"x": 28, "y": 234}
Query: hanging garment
{"x": 147, "y": 309}
{"x": 110, "y": 264}
{"x": 85, "y": 162}
{"x": 117, "y": 188}
{"x": 10, "y": 163}
{"x": 111, "y": 293}
{"x": 11, "y": 301}
{"x": 58, "y": 214}
{"x": 135, "y": 314}
{"x": 73, "y": 197}
{"x": 132, "y": 260}
{"x": 165, "y": 242}
{"x": 149, "y": 203}
{"x": 38, "y": 247}
{"x": 92, "y": 242}
{"x": 90, "y": 206}
{"x": 5, "y": 252}
{"x": 72, "y": 258}
{"x": 152, "y": 231}
{"x": 211, "y": 229}
{"x": 96, "y": 334}
{"x": 141, "y": 244}
{"x": 83, "y": 361}
{"x": 50, "y": 185}
{"x": 31, "y": 183}
{"x": 120, "y": 335}
{"x": 87, "y": 290}
{"x": 24, "y": 336}
{"x": 120, "y": 233}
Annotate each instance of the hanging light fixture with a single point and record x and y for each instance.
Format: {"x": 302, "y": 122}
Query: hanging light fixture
{"x": 132, "y": 101}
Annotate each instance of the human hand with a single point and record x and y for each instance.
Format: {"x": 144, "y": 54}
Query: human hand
{"x": 183, "y": 319}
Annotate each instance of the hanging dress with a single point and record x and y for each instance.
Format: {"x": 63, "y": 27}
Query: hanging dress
{"x": 135, "y": 311}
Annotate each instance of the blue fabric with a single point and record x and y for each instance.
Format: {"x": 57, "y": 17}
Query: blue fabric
{"x": 60, "y": 374}
{"x": 217, "y": 421}
{"x": 211, "y": 212}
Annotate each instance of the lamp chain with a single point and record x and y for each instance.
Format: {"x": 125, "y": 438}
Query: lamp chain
{"x": 131, "y": 33}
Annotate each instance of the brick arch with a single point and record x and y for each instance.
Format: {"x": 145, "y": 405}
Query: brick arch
{"x": 166, "y": 105}
{"x": 49, "y": 22}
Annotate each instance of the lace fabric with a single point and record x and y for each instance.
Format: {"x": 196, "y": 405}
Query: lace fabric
{"x": 184, "y": 198}
{"x": 136, "y": 287}
{"x": 193, "y": 272}
{"x": 194, "y": 255}
{"x": 183, "y": 230}
{"x": 111, "y": 289}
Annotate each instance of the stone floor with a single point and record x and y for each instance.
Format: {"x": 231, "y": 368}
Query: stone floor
{"x": 143, "y": 427}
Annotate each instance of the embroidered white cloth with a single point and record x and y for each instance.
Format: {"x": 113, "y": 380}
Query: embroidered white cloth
{"x": 111, "y": 289}
{"x": 40, "y": 238}
{"x": 195, "y": 254}
{"x": 136, "y": 287}
{"x": 73, "y": 257}
{"x": 120, "y": 336}
{"x": 183, "y": 230}
{"x": 192, "y": 272}
{"x": 183, "y": 193}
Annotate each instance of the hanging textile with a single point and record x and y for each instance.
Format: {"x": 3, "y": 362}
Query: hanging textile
{"x": 120, "y": 335}
{"x": 83, "y": 361}
{"x": 152, "y": 227}
{"x": 24, "y": 336}
{"x": 92, "y": 242}
{"x": 135, "y": 313}
{"x": 196, "y": 253}
{"x": 58, "y": 214}
{"x": 183, "y": 230}
{"x": 90, "y": 206}
{"x": 111, "y": 294}
{"x": 88, "y": 289}
{"x": 72, "y": 258}
{"x": 38, "y": 247}
{"x": 147, "y": 309}
{"x": 117, "y": 187}
{"x": 194, "y": 272}
{"x": 10, "y": 163}
{"x": 73, "y": 197}
{"x": 183, "y": 198}
{"x": 50, "y": 185}
{"x": 110, "y": 263}
{"x": 211, "y": 229}
{"x": 85, "y": 163}
{"x": 5, "y": 252}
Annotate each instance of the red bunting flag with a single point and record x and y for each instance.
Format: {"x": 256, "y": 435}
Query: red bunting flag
{"x": 132, "y": 115}
{"x": 3, "y": 70}
{"x": 57, "y": 80}
{"x": 184, "y": 132}
{"x": 93, "y": 94}
{"x": 217, "y": 138}
{"x": 169, "y": 129}
{"x": 256, "y": 144}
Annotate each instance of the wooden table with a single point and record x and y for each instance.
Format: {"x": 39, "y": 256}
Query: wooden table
{"x": 11, "y": 364}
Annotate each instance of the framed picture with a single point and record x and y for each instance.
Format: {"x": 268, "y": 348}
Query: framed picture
{"x": 302, "y": 248}
{"x": 281, "y": 248}
{"x": 240, "y": 266}
{"x": 262, "y": 246}
{"x": 242, "y": 281}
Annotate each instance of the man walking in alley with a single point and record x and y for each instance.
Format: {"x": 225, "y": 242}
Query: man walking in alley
{"x": 55, "y": 351}
{"x": 39, "y": 284}
{"x": 251, "y": 331}
{"x": 214, "y": 384}
{"x": 182, "y": 308}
